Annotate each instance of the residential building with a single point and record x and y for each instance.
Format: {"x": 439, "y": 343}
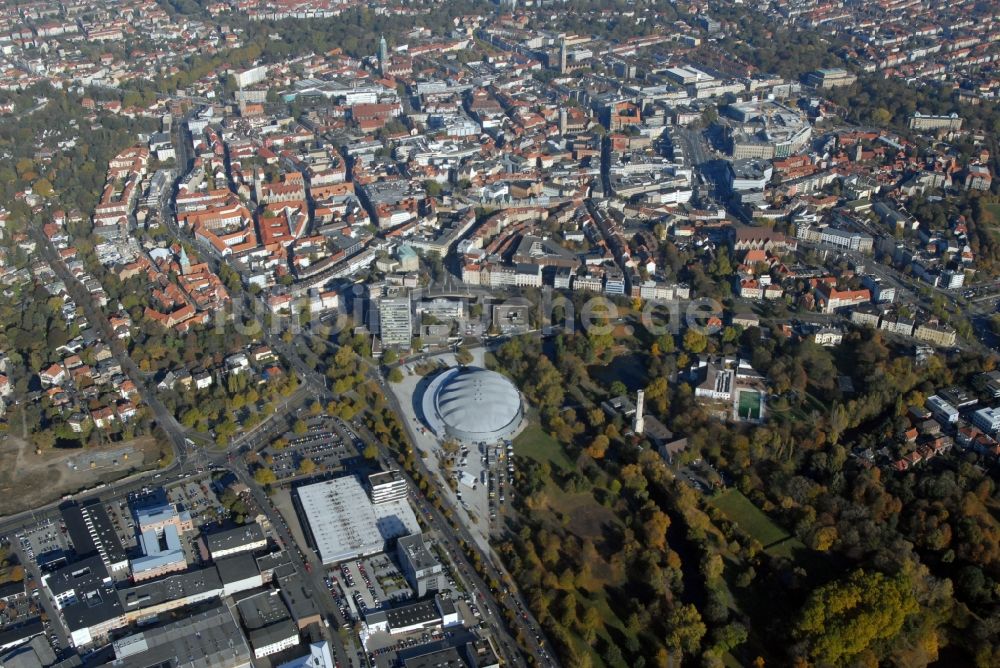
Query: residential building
{"x": 868, "y": 315}
{"x": 881, "y": 292}
{"x": 897, "y": 325}
{"x": 847, "y": 239}
{"x": 937, "y": 334}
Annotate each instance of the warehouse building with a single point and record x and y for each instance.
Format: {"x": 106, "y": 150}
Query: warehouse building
{"x": 345, "y": 523}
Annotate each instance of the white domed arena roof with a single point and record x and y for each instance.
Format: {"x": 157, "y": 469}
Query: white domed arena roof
{"x": 473, "y": 404}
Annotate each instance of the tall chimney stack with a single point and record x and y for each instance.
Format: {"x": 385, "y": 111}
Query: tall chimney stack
{"x": 639, "y": 420}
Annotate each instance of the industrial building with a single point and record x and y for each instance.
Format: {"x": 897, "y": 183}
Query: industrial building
{"x": 209, "y": 639}
{"x": 92, "y": 532}
{"x": 345, "y": 523}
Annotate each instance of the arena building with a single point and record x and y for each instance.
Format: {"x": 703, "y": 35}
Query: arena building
{"x": 472, "y": 405}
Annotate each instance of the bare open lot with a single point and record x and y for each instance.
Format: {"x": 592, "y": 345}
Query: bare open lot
{"x": 28, "y": 480}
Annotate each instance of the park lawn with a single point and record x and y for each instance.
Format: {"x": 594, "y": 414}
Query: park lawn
{"x": 585, "y": 518}
{"x": 786, "y": 548}
{"x": 994, "y": 210}
{"x": 535, "y": 444}
{"x": 608, "y": 620}
{"x": 992, "y": 219}
{"x": 580, "y": 514}
{"x": 751, "y": 519}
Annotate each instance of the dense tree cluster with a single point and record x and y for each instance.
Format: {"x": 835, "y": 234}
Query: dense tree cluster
{"x": 912, "y": 558}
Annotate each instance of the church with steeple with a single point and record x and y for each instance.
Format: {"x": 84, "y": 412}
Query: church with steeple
{"x": 185, "y": 262}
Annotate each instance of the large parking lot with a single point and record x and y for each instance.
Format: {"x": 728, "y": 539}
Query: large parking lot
{"x": 383, "y": 647}
{"x": 366, "y": 584}
{"x": 124, "y": 522}
{"x": 47, "y": 538}
{"x": 320, "y": 443}
{"x": 195, "y": 495}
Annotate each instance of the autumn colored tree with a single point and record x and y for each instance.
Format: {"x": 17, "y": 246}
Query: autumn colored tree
{"x": 845, "y": 618}
{"x": 598, "y": 447}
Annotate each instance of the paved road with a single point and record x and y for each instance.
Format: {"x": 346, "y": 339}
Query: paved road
{"x": 694, "y": 147}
